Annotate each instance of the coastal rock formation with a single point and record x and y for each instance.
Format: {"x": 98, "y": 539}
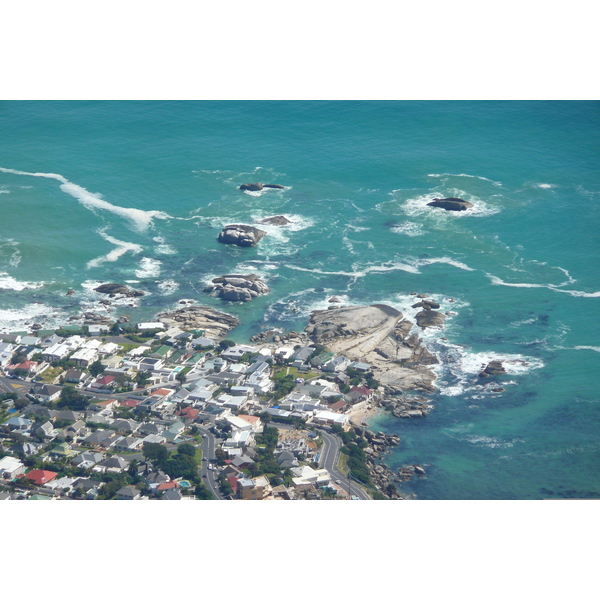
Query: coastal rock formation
{"x": 241, "y": 235}
{"x": 493, "y": 368}
{"x": 278, "y": 220}
{"x": 430, "y": 318}
{"x": 426, "y": 304}
{"x": 377, "y": 335}
{"x": 114, "y": 289}
{"x": 214, "y": 323}
{"x": 406, "y": 407}
{"x": 405, "y": 473}
{"x": 450, "y": 203}
{"x": 90, "y": 318}
{"x": 256, "y": 187}
{"x": 237, "y": 288}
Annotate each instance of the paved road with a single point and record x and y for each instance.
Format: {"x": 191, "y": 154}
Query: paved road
{"x": 208, "y": 446}
{"x": 330, "y": 452}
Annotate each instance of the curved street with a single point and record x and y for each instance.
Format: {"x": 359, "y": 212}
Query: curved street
{"x": 330, "y": 453}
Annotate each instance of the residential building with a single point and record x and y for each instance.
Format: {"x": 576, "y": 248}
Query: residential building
{"x": 10, "y": 467}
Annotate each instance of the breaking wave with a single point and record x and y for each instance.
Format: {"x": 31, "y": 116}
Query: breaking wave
{"x": 140, "y": 220}
{"x": 114, "y": 255}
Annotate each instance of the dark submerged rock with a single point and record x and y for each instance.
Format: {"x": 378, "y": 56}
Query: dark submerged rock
{"x": 450, "y": 204}
{"x": 278, "y": 220}
{"x": 251, "y": 187}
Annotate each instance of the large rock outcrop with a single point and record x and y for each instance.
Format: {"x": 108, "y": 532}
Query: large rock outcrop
{"x": 214, "y": 323}
{"x": 114, "y": 289}
{"x": 378, "y": 335}
{"x": 430, "y": 318}
{"x": 494, "y": 368}
{"x": 241, "y": 235}
{"x": 450, "y": 203}
{"x": 237, "y": 288}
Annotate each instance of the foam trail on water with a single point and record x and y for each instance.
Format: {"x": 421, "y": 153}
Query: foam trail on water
{"x": 139, "y": 219}
{"x": 555, "y": 288}
{"x": 10, "y": 283}
{"x": 113, "y": 255}
{"x": 496, "y": 183}
{"x": 594, "y": 348}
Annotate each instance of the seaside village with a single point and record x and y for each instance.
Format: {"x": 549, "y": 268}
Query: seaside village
{"x": 159, "y": 413}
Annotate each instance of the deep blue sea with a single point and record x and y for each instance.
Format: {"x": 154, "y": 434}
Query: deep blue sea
{"x": 137, "y": 192}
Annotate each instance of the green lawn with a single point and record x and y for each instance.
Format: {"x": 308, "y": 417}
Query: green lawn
{"x": 293, "y": 371}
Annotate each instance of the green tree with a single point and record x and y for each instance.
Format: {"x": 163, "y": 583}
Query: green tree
{"x": 156, "y": 453}
{"x": 71, "y": 399}
{"x": 96, "y": 368}
{"x": 188, "y": 449}
{"x": 202, "y": 492}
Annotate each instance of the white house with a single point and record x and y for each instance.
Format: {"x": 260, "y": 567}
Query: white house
{"x": 325, "y": 417}
{"x": 147, "y": 326}
{"x": 10, "y": 467}
{"x": 84, "y": 357}
{"x": 6, "y": 353}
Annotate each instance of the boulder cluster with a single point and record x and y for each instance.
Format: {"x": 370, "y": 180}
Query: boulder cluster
{"x": 237, "y": 288}
{"x": 214, "y": 323}
{"x": 406, "y": 472}
{"x": 407, "y": 407}
{"x": 241, "y": 235}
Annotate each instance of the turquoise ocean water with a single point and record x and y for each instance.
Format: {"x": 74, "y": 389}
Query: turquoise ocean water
{"x": 137, "y": 192}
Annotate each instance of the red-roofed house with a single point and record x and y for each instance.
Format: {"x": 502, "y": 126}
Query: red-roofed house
{"x": 106, "y": 382}
{"x": 233, "y": 482}
{"x": 167, "y": 485}
{"x": 29, "y": 365}
{"x": 338, "y": 406}
{"x": 40, "y": 477}
{"x": 108, "y": 403}
{"x": 163, "y": 392}
{"x": 254, "y": 421}
{"x": 361, "y": 393}
{"x": 188, "y": 414}
{"x": 130, "y": 403}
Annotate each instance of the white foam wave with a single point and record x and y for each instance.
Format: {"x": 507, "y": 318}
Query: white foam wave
{"x": 140, "y": 220}
{"x": 9, "y": 251}
{"x": 496, "y": 183}
{"x": 163, "y": 247}
{"x": 168, "y": 286}
{"x": 21, "y": 319}
{"x": 90, "y": 298}
{"x": 149, "y": 267}
{"x": 408, "y": 228}
{"x": 594, "y": 348}
{"x": 417, "y": 207}
{"x": 10, "y": 283}
{"x": 555, "y": 288}
{"x": 410, "y": 266}
{"x": 114, "y": 255}
{"x": 545, "y": 186}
